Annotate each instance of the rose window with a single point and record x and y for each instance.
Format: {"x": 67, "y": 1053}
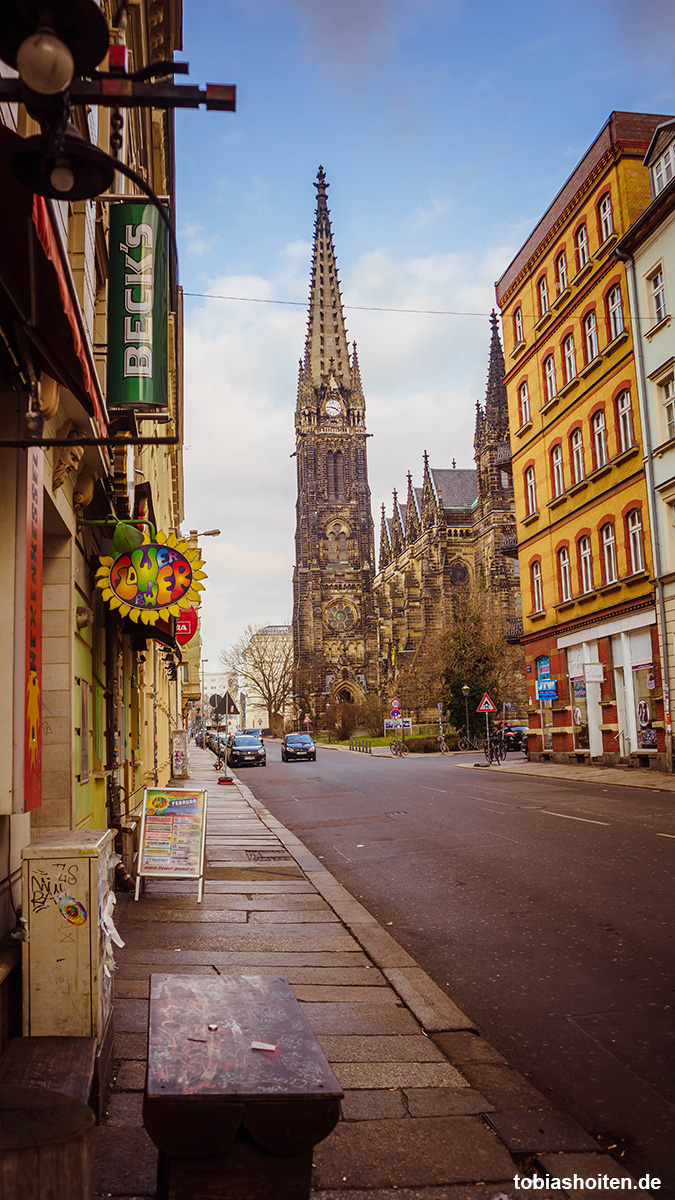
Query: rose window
{"x": 340, "y": 617}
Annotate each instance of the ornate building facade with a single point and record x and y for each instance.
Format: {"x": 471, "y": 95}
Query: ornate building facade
{"x": 450, "y": 532}
{"x": 334, "y": 622}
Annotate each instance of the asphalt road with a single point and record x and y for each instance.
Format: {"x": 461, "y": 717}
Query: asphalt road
{"x": 544, "y": 909}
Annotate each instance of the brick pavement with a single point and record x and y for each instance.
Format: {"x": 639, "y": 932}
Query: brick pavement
{"x": 420, "y": 1083}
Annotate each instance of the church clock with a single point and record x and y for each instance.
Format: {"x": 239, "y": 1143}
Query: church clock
{"x": 333, "y": 408}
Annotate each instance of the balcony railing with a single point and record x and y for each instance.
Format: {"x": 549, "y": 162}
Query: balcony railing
{"x": 514, "y": 629}
{"x": 509, "y": 544}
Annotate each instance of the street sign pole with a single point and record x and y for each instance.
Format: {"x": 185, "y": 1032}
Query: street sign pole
{"x": 487, "y": 732}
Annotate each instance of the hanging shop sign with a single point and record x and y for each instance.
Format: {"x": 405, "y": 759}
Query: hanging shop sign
{"x": 158, "y": 579}
{"x": 186, "y": 626}
{"x": 138, "y": 317}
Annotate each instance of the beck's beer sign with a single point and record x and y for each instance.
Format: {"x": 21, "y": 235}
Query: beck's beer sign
{"x": 138, "y": 308}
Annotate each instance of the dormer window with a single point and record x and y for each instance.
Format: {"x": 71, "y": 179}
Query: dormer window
{"x": 663, "y": 169}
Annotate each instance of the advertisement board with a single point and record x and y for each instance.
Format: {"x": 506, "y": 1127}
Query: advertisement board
{"x": 173, "y": 833}
{"x": 138, "y": 309}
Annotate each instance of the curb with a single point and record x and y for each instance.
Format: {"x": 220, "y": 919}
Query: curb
{"x": 435, "y": 1011}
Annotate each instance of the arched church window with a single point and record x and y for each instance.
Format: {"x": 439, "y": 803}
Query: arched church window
{"x": 342, "y": 546}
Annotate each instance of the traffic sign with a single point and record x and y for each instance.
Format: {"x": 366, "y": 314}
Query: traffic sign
{"x": 486, "y": 705}
{"x": 307, "y": 720}
{"x": 395, "y": 703}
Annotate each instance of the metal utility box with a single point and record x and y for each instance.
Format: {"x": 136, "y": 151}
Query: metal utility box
{"x": 68, "y": 881}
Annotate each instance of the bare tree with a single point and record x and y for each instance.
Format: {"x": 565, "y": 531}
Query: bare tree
{"x": 262, "y": 658}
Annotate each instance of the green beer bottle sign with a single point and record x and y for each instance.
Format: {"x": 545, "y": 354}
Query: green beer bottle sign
{"x": 138, "y": 308}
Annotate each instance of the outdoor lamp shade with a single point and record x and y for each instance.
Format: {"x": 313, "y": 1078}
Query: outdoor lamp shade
{"x": 77, "y": 171}
{"x": 126, "y": 537}
{"x": 79, "y": 24}
{"x": 45, "y": 63}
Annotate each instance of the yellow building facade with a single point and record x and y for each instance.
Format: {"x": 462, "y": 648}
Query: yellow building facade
{"x": 583, "y": 539}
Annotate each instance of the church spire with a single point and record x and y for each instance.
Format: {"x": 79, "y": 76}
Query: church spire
{"x": 326, "y": 349}
{"x": 496, "y": 405}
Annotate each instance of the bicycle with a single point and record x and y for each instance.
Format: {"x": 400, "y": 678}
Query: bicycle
{"x": 495, "y": 751}
{"x": 442, "y": 744}
{"x": 469, "y": 743}
{"x": 399, "y": 748}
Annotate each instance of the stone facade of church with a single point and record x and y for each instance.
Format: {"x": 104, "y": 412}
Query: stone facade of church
{"x": 335, "y": 633}
{"x": 449, "y": 532}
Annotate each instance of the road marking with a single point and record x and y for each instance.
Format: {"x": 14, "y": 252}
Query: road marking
{"x": 442, "y": 791}
{"x": 671, "y": 835}
{"x": 567, "y": 817}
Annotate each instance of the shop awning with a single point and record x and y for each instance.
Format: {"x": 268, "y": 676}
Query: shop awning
{"x": 40, "y": 313}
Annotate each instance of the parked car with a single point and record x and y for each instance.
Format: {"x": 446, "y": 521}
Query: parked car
{"x": 298, "y": 745}
{"x": 257, "y": 732}
{"x": 515, "y": 737}
{"x": 243, "y": 749}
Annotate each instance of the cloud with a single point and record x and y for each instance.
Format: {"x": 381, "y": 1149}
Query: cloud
{"x": 422, "y": 375}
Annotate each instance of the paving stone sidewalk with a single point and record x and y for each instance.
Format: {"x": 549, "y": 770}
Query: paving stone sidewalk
{"x": 424, "y": 1093}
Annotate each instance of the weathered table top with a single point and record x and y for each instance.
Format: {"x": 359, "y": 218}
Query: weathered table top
{"x": 202, "y": 1032}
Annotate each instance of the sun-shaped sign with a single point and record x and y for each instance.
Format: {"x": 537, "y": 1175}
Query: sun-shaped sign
{"x": 157, "y": 579}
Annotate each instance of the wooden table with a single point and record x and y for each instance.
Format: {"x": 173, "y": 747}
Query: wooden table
{"x": 232, "y": 1121}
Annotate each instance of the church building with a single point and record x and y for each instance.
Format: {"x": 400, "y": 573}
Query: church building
{"x": 451, "y": 531}
{"x": 335, "y": 637}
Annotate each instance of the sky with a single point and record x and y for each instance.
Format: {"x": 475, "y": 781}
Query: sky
{"x": 445, "y": 128}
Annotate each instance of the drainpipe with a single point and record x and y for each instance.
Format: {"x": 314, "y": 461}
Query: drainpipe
{"x": 648, "y": 460}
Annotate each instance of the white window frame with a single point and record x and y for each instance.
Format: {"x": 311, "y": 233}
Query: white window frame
{"x": 558, "y": 471}
{"x": 609, "y": 553}
{"x": 586, "y": 564}
{"x": 543, "y": 296}
{"x": 565, "y": 575}
{"x": 561, "y": 272}
{"x": 615, "y": 309}
{"x": 530, "y": 491}
{"x": 658, "y": 295}
{"x": 550, "y": 379}
{"x": 668, "y": 396}
{"x": 591, "y": 336}
{"x": 663, "y": 169}
{"x": 518, "y": 326}
{"x": 524, "y": 398}
{"x": 624, "y": 412}
{"x": 581, "y": 242}
{"x": 635, "y": 546}
{"x": 600, "y": 439}
{"x": 606, "y": 217}
{"x": 537, "y": 589}
{"x": 578, "y": 464}
{"x": 570, "y": 356}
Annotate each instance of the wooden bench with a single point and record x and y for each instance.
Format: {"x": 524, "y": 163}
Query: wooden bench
{"x": 63, "y": 1064}
{"x": 231, "y": 1118}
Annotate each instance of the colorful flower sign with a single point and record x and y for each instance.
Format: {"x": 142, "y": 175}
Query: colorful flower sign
{"x": 158, "y": 579}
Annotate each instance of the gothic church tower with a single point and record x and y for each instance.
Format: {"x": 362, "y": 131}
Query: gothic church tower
{"x": 334, "y": 622}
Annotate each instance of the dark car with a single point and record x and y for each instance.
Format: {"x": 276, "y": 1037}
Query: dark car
{"x": 242, "y": 749}
{"x": 515, "y": 737}
{"x": 298, "y": 745}
{"x": 257, "y": 732}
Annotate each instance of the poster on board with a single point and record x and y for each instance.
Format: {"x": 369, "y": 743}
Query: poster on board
{"x": 173, "y": 835}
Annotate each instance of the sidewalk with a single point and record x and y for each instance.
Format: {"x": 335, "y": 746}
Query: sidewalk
{"x": 431, "y": 1111}
{"x": 635, "y": 777}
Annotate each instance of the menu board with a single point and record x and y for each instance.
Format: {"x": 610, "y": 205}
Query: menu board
{"x": 172, "y": 835}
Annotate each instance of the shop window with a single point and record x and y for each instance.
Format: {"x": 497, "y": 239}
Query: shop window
{"x": 578, "y": 699}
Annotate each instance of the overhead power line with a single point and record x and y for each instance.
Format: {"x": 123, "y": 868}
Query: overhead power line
{"x": 426, "y": 312}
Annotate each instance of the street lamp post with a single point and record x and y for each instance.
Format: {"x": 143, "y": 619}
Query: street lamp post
{"x": 465, "y": 693}
{"x": 204, "y": 662}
